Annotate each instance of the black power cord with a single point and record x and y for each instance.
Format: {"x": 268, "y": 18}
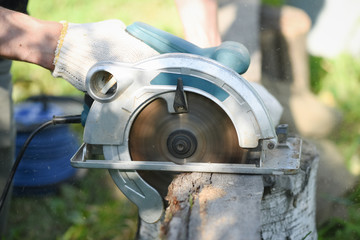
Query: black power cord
{"x": 56, "y": 120}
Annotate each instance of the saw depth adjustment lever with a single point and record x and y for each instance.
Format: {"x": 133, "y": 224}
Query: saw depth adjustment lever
{"x": 180, "y": 101}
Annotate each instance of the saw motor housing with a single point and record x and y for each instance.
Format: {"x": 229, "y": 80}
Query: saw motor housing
{"x": 179, "y": 112}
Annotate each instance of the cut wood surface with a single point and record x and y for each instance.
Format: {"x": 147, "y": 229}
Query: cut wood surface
{"x": 232, "y": 206}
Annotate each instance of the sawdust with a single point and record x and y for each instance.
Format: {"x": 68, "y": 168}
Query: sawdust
{"x": 174, "y": 207}
{"x": 188, "y": 191}
{"x": 207, "y": 194}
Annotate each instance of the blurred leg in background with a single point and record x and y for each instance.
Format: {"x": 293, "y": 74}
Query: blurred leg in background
{"x": 200, "y": 22}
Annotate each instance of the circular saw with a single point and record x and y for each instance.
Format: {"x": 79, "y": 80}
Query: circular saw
{"x": 173, "y": 113}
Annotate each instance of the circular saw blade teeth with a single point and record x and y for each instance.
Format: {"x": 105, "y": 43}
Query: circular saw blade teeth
{"x": 203, "y": 134}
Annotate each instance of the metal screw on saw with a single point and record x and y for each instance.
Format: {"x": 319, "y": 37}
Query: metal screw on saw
{"x": 270, "y": 145}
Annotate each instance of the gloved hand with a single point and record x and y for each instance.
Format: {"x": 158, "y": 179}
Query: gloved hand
{"x": 82, "y": 45}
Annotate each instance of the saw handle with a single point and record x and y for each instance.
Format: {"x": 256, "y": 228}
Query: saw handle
{"x": 231, "y": 54}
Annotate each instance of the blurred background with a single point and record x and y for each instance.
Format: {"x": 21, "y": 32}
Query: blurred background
{"x": 93, "y": 208}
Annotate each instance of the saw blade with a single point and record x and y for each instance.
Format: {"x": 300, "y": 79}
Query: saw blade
{"x": 202, "y": 134}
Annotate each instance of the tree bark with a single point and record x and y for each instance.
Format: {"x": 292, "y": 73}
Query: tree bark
{"x": 232, "y": 206}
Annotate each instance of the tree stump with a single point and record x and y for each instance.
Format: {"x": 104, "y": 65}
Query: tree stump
{"x": 232, "y": 206}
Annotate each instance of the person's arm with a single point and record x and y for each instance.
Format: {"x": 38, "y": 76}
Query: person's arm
{"x": 199, "y": 19}
{"x": 68, "y": 50}
{"x": 27, "y": 39}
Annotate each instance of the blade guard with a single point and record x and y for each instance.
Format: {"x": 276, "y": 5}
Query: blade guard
{"x": 142, "y": 82}
{"x": 121, "y": 91}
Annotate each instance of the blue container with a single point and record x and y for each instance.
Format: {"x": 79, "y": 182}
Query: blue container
{"x": 46, "y": 161}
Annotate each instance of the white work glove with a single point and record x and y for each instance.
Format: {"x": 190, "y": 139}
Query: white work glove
{"x": 82, "y": 45}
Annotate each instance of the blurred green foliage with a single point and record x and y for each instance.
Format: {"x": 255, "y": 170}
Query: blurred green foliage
{"x": 337, "y": 228}
{"x": 90, "y": 208}
{"x": 273, "y": 2}
{"x": 337, "y": 83}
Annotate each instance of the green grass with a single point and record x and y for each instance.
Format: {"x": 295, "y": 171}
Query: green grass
{"x": 337, "y": 228}
{"x": 91, "y": 208}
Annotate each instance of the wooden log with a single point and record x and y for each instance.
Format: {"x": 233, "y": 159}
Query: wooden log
{"x": 232, "y": 206}
{"x": 208, "y": 206}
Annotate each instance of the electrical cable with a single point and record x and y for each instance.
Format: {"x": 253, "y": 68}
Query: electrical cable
{"x": 55, "y": 120}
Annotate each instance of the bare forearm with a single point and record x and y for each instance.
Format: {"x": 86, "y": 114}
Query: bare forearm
{"x": 199, "y": 18}
{"x": 25, "y": 38}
